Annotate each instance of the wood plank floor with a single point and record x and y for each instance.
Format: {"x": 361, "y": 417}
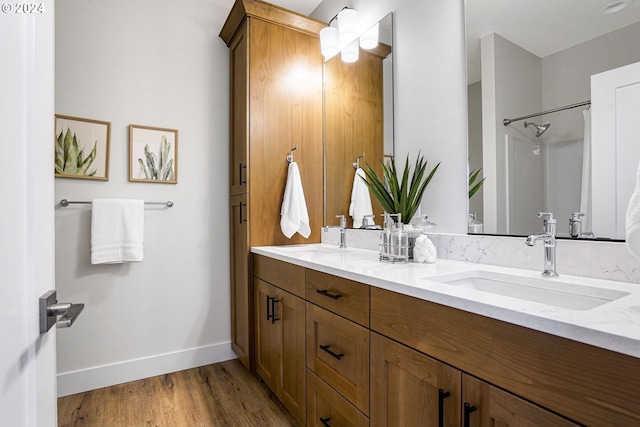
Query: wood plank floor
{"x": 224, "y": 394}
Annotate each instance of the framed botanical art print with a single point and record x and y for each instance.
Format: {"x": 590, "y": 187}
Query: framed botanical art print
{"x": 81, "y": 148}
{"x": 153, "y": 154}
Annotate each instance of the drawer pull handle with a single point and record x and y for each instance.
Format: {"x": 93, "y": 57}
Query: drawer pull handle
{"x": 468, "y": 409}
{"x": 326, "y": 348}
{"x": 325, "y": 422}
{"x": 441, "y": 396}
{"x": 327, "y": 294}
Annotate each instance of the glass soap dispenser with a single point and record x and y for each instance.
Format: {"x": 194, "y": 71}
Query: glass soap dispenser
{"x": 394, "y": 240}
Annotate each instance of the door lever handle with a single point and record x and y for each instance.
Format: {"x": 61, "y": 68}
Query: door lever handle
{"x": 50, "y": 309}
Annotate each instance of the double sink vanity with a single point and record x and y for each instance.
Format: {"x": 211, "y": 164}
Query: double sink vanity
{"x": 350, "y": 341}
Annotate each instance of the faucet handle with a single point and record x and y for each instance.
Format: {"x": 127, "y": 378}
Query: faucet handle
{"x": 577, "y": 215}
{"x": 547, "y": 217}
{"x": 343, "y": 221}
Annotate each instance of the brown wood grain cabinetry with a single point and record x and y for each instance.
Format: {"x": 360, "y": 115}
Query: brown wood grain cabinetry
{"x": 409, "y": 388}
{"x": 241, "y": 292}
{"x": 279, "y": 345}
{"x": 326, "y": 408}
{"x": 342, "y": 296}
{"x": 338, "y": 352}
{"x": 487, "y": 406}
{"x": 589, "y": 385}
{"x": 275, "y": 103}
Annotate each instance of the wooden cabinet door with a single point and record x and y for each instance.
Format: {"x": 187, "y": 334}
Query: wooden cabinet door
{"x": 241, "y": 289}
{"x": 409, "y": 388}
{"x": 487, "y": 406}
{"x": 239, "y": 62}
{"x": 290, "y": 337}
{"x": 266, "y": 351}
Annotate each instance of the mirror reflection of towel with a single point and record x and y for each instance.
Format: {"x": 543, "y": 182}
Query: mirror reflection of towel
{"x": 360, "y": 200}
{"x": 294, "y": 215}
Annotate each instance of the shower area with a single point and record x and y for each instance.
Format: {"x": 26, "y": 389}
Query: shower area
{"x": 534, "y": 140}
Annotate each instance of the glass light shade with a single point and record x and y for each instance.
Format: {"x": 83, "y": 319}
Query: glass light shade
{"x": 329, "y": 41}
{"x": 348, "y": 24}
{"x": 350, "y": 52}
{"x": 369, "y": 39}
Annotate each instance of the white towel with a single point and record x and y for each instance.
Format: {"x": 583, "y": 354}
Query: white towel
{"x": 632, "y": 220}
{"x": 117, "y": 230}
{"x": 294, "y": 215}
{"x": 360, "y": 199}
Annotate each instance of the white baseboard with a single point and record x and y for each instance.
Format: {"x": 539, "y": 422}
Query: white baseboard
{"x": 132, "y": 370}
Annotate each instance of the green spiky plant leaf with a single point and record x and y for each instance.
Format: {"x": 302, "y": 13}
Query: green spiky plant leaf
{"x": 473, "y": 188}
{"x": 157, "y": 167}
{"x": 399, "y": 195}
{"x": 70, "y": 158}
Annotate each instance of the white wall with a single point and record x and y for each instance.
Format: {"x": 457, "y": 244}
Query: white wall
{"x": 156, "y": 63}
{"x": 430, "y": 95}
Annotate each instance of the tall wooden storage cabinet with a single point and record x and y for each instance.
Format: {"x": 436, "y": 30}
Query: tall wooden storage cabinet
{"x": 276, "y": 104}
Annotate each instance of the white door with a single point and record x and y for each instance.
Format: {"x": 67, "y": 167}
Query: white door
{"x": 615, "y": 107}
{"x": 27, "y": 358}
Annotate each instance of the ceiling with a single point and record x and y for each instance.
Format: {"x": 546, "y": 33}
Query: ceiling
{"x": 542, "y": 27}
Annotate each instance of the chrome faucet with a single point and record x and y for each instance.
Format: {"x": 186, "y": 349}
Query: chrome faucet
{"x": 575, "y": 227}
{"x": 549, "y": 237}
{"x": 343, "y": 230}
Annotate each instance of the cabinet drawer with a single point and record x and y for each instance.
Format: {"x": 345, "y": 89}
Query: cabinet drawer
{"x": 338, "y": 352}
{"x": 325, "y": 407}
{"x": 282, "y": 274}
{"x": 342, "y": 296}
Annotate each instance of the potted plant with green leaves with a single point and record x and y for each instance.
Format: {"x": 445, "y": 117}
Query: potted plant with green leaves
{"x": 399, "y": 194}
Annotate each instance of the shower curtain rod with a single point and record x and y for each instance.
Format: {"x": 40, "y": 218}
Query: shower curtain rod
{"x": 579, "y": 104}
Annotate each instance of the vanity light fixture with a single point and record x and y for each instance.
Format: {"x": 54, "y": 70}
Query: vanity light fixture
{"x": 369, "y": 39}
{"x": 351, "y": 52}
{"x": 333, "y": 39}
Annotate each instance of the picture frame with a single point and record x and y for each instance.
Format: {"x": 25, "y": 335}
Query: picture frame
{"x": 153, "y": 154}
{"x": 75, "y": 155}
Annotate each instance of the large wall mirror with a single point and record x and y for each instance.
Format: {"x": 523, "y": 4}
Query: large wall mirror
{"x": 526, "y": 58}
{"x": 358, "y": 123}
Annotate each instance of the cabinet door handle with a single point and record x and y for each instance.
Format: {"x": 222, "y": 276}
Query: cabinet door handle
{"x": 326, "y": 348}
{"x": 441, "y": 396}
{"x": 468, "y": 409}
{"x": 325, "y": 421}
{"x": 273, "y": 310}
{"x": 240, "y": 216}
{"x": 327, "y": 294}
{"x": 269, "y": 306}
{"x": 240, "y": 174}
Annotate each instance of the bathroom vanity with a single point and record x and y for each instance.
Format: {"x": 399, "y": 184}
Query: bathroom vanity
{"x": 350, "y": 341}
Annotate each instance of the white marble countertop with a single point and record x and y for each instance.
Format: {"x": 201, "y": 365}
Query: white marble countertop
{"x": 614, "y": 325}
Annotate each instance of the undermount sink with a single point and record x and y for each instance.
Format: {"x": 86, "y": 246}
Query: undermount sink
{"x": 553, "y": 292}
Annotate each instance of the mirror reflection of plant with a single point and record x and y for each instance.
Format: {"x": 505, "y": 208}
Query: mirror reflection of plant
{"x": 154, "y": 168}
{"x": 69, "y": 156}
{"x": 473, "y": 175}
{"x": 400, "y": 195}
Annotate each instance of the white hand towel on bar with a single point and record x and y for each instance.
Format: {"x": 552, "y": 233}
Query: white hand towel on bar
{"x": 632, "y": 220}
{"x": 117, "y": 230}
{"x": 360, "y": 199}
{"x": 294, "y": 215}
